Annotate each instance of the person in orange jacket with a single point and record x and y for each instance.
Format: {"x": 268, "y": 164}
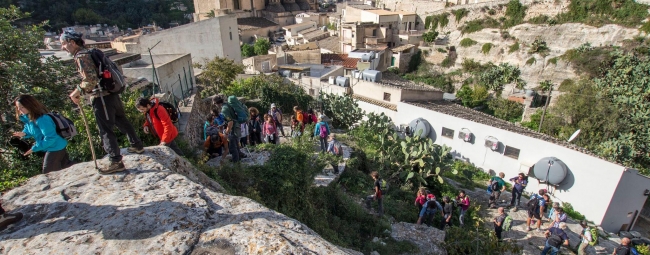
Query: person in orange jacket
{"x": 156, "y": 116}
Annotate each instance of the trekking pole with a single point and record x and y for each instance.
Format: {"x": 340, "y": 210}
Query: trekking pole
{"x": 90, "y": 140}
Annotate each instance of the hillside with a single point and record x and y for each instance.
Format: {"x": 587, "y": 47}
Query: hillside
{"x": 161, "y": 205}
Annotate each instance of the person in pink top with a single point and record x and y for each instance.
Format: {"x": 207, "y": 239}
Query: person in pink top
{"x": 463, "y": 202}
{"x": 421, "y": 198}
{"x": 270, "y": 130}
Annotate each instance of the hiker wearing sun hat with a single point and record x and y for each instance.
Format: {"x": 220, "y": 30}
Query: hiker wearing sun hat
{"x": 276, "y": 114}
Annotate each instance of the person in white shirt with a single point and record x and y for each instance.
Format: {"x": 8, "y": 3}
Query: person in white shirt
{"x": 243, "y": 140}
{"x": 585, "y": 238}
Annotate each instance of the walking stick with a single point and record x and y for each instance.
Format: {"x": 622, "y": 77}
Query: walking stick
{"x": 90, "y": 140}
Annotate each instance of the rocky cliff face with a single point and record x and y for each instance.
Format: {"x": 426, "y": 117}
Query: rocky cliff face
{"x": 161, "y": 205}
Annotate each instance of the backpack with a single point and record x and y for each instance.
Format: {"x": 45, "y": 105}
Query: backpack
{"x": 533, "y": 203}
{"x": 308, "y": 119}
{"x": 384, "y": 186}
{"x": 323, "y": 130}
{"x": 507, "y": 223}
{"x": 494, "y": 186}
{"x": 240, "y": 111}
{"x": 338, "y": 150}
{"x": 110, "y": 77}
{"x": 623, "y": 250}
{"x": 594, "y": 236}
{"x": 173, "y": 113}
{"x": 64, "y": 126}
{"x": 555, "y": 240}
{"x": 212, "y": 130}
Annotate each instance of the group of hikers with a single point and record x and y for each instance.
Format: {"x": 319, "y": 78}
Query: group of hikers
{"x": 225, "y": 133}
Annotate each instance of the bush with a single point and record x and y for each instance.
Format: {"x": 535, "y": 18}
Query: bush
{"x": 531, "y": 61}
{"x": 473, "y": 97}
{"x": 435, "y": 21}
{"x": 514, "y": 47}
{"x": 415, "y": 61}
{"x": 441, "y": 50}
{"x": 262, "y": 46}
{"x": 486, "y": 48}
{"x": 568, "y": 209}
{"x": 589, "y": 61}
{"x": 430, "y": 36}
{"x": 506, "y": 110}
{"x": 552, "y": 61}
{"x": 539, "y": 47}
{"x": 515, "y": 14}
{"x": 471, "y": 66}
{"x": 247, "y": 50}
{"x": 459, "y": 14}
{"x": 478, "y": 25}
{"x": 492, "y": 12}
{"x": 467, "y": 42}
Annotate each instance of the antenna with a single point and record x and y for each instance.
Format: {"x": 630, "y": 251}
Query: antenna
{"x": 574, "y": 135}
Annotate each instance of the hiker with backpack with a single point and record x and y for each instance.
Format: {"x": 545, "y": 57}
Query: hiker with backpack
{"x": 276, "y": 115}
{"x": 463, "y": 201}
{"x": 300, "y": 118}
{"x": 336, "y": 149}
{"x": 535, "y": 208}
{"x": 270, "y": 130}
{"x": 496, "y": 185}
{"x": 42, "y": 127}
{"x": 209, "y": 122}
{"x": 219, "y": 119}
{"x": 256, "y": 126}
{"x": 520, "y": 183}
{"x": 555, "y": 238}
{"x": 235, "y": 114}
{"x": 159, "y": 122}
{"x": 216, "y": 145}
{"x": 625, "y": 248}
{"x": 447, "y": 211}
{"x": 377, "y": 195}
{"x": 429, "y": 209}
{"x": 499, "y": 222}
{"x": 102, "y": 89}
{"x": 560, "y": 216}
{"x": 588, "y": 236}
{"x": 322, "y": 130}
{"x": 310, "y": 118}
{"x": 295, "y": 126}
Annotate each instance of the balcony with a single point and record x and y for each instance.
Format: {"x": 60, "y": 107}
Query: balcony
{"x": 374, "y": 40}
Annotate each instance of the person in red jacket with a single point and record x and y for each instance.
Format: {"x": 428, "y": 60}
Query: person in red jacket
{"x": 156, "y": 116}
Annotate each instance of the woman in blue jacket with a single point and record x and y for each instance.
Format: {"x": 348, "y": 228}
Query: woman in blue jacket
{"x": 322, "y": 131}
{"x": 41, "y": 127}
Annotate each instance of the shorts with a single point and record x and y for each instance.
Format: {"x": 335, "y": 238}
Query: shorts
{"x": 534, "y": 214}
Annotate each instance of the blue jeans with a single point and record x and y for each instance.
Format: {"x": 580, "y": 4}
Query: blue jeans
{"x": 551, "y": 249}
{"x": 323, "y": 144}
{"x": 462, "y": 216}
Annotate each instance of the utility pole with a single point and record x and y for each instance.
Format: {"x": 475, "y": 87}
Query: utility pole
{"x": 548, "y": 99}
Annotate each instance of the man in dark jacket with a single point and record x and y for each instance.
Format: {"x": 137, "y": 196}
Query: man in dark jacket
{"x": 520, "y": 184}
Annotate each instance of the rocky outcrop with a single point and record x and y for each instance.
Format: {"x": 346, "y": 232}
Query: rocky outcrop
{"x": 427, "y": 239}
{"x": 161, "y": 205}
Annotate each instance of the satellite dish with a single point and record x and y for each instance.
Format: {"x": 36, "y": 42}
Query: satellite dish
{"x": 574, "y": 135}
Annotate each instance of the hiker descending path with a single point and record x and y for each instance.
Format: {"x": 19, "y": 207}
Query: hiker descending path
{"x": 327, "y": 176}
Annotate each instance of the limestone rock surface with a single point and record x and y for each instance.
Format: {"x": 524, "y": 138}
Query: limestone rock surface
{"x": 427, "y": 239}
{"x": 160, "y": 205}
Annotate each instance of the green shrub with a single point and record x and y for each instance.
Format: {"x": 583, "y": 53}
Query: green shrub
{"x": 430, "y": 36}
{"x": 446, "y": 63}
{"x": 467, "y": 42}
{"x": 435, "y": 21}
{"x": 568, "y": 209}
{"x": 506, "y": 110}
{"x": 441, "y": 50}
{"x": 541, "y": 19}
{"x": 492, "y": 12}
{"x": 486, "y": 48}
{"x": 514, "y": 47}
{"x": 589, "y": 61}
{"x": 478, "y": 25}
{"x": 473, "y": 96}
{"x": 477, "y": 239}
{"x": 515, "y": 13}
{"x": 599, "y": 12}
{"x": 539, "y": 47}
{"x": 552, "y": 61}
{"x": 531, "y": 61}
{"x": 471, "y": 66}
{"x": 460, "y": 13}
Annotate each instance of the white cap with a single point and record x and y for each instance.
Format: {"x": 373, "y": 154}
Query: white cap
{"x": 322, "y": 116}
{"x": 272, "y": 105}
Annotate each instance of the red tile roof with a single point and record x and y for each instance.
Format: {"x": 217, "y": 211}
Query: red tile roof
{"x": 339, "y": 59}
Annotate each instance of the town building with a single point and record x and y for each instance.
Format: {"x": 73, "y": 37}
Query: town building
{"x": 261, "y": 64}
{"x": 172, "y": 74}
{"x": 252, "y": 28}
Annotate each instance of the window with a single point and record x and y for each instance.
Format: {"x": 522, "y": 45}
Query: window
{"x": 230, "y": 35}
{"x": 311, "y": 92}
{"x": 511, "y": 152}
{"x": 386, "y": 96}
{"x": 390, "y": 26}
{"x": 449, "y": 133}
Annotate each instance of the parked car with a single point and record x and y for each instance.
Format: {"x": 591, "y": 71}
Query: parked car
{"x": 280, "y": 39}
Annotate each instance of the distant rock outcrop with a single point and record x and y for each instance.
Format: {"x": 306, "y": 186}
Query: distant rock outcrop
{"x": 161, "y": 205}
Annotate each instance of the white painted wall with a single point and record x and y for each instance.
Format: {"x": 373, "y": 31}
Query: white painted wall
{"x": 368, "y": 107}
{"x": 168, "y": 67}
{"x": 629, "y": 192}
{"x": 205, "y": 39}
{"x": 594, "y": 180}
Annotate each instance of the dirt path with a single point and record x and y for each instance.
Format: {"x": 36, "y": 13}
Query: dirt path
{"x": 533, "y": 241}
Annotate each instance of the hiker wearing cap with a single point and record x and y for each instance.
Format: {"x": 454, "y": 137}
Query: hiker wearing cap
{"x": 276, "y": 115}
{"x": 555, "y": 238}
{"x": 322, "y": 130}
{"x": 107, "y": 106}
{"x": 585, "y": 238}
{"x": 232, "y": 129}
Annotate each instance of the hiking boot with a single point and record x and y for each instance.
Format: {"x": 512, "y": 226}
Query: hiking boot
{"x": 135, "y": 150}
{"x": 7, "y": 219}
{"x": 114, "y": 167}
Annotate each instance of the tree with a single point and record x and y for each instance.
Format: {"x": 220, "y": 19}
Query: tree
{"x": 626, "y": 85}
{"x": 87, "y": 16}
{"x": 430, "y": 36}
{"x": 505, "y": 109}
{"x": 218, "y": 74}
{"x": 247, "y": 50}
{"x": 262, "y": 46}
{"x": 497, "y": 76}
{"x": 472, "y": 97}
{"x": 344, "y": 110}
